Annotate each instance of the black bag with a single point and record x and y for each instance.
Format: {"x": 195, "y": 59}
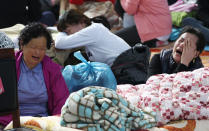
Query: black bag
{"x": 118, "y": 8}
{"x": 131, "y": 66}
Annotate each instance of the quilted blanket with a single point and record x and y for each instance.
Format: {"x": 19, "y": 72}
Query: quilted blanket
{"x": 184, "y": 95}
{"x": 99, "y": 108}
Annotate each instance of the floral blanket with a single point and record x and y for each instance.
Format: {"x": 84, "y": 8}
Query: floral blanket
{"x": 184, "y": 95}
{"x": 100, "y": 108}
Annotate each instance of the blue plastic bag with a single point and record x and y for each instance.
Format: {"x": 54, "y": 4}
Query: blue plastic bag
{"x": 88, "y": 74}
{"x": 175, "y": 34}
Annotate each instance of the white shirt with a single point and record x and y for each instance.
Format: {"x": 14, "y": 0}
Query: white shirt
{"x": 101, "y": 45}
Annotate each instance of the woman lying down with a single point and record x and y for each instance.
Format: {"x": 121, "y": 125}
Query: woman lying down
{"x": 184, "y": 95}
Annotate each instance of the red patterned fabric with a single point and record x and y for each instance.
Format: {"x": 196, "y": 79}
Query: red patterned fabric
{"x": 184, "y": 95}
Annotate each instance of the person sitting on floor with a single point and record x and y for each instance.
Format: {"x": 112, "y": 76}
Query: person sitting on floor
{"x": 183, "y": 57}
{"x": 42, "y": 90}
{"x": 77, "y": 30}
{"x": 145, "y": 22}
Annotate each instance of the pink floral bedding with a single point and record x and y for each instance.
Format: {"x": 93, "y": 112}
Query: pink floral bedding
{"x": 184, "y": 95}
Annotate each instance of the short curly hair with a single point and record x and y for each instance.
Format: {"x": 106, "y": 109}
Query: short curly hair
{"x": 34, "y": 30}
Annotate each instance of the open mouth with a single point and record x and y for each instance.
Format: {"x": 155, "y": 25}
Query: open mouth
{"x": 179, "y": 52}
{"x": 35, "y": 58}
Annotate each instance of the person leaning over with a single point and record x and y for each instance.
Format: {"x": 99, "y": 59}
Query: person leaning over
{"x": 77, "y": 30}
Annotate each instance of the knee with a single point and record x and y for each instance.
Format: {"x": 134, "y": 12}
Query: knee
{"x": 191, "y": 22}
{"x": 48, "y": 18}
{"x": 188, "y": 21}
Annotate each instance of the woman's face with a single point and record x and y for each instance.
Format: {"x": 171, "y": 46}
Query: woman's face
{"x": 180, "y": 44}
{"x": 34, "y": 51}
{"x": 71, "y": 29}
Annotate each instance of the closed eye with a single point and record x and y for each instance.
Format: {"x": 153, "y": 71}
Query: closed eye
{"x": 181, "y": 40}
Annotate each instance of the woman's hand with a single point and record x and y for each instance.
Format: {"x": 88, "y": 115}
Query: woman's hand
{"x": 189, "y": 52}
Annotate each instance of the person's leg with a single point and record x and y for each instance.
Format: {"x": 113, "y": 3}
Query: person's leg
{"x": 197, "y": 24}
{"x": 162, "y": 40}
{"x": 48, "y": 18}
{"x": 128, "y": 20}
{"x": 130, "y": 35}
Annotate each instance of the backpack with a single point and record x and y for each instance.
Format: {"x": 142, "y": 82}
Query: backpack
{"x": 131, "y": 66}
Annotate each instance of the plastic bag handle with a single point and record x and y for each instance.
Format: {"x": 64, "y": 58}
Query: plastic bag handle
{"x": 79, "y": 56}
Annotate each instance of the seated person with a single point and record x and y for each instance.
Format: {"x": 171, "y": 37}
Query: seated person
{"x": 183, "y": 57}
{"x": 77, "y": 30}
{"x": 42, "y": 90}
{"x": 150, "y": 22}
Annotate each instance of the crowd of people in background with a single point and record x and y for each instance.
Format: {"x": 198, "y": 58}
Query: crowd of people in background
{"x": 147, "y": 22}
